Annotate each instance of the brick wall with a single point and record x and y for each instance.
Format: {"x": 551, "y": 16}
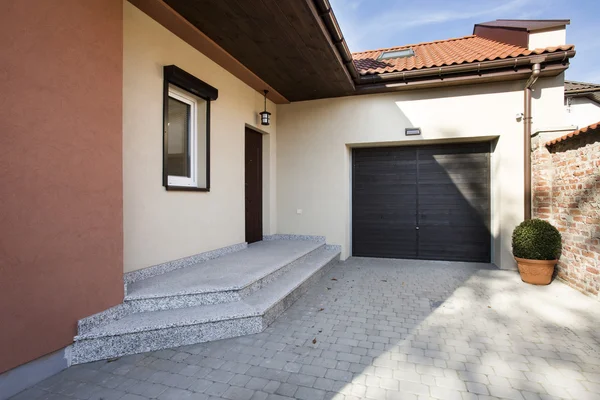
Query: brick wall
{"x": 566, "y": 192}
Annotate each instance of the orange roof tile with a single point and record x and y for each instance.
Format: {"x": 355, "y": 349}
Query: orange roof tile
{"x": 462, "y": 50}
{"x": 593, "y": 128}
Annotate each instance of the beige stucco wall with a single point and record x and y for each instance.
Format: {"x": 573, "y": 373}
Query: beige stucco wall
{"x": 315, "y": 137}
{"x": 162, "y": 226}
{"x": 582, "y": 112}
{"x": 547, "y": 38}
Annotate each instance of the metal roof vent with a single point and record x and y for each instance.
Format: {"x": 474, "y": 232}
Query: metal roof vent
{"x": 396, "y": 54}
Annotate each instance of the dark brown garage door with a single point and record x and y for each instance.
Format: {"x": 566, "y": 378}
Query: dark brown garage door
{"x": 423, "y": 202}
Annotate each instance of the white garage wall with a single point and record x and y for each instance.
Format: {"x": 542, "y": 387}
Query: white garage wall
{"x": 161, "y": 226}
{"x": 314, "y": 140}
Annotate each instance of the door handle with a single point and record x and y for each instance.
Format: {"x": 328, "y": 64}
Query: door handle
{"x": 416, "y": 227}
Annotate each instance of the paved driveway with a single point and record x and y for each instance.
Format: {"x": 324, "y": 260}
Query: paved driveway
{"x": 379, "y": 329}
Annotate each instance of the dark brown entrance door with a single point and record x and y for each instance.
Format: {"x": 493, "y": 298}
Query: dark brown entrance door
{"x": 254, "y": 229}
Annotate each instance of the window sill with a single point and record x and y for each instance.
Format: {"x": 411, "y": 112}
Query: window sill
{"x": 186, "y": 189}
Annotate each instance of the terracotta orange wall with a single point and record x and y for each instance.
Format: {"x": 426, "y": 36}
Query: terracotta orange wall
{"x": 61, "y": 241}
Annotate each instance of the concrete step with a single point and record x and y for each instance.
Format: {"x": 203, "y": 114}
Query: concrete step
{"x": 153, "y": 330}
{"x": 225, "y": 279}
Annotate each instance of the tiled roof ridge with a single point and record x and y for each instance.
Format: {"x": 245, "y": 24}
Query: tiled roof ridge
{"x": 418, "y": 44}
{"x": 595, "y": 127}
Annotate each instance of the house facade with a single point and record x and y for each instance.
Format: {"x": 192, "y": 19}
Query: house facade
{"x": 130, "y": 129}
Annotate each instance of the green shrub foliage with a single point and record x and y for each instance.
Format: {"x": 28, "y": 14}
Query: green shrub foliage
{"x": 536, "y": 239}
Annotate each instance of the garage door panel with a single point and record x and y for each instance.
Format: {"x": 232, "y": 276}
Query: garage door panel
{"x": 453, "y": 202}
{"x": 443, "y": 190}
{"x": 384, "y": 202}
{"x": 456, "y": 219}
{"x": 392, "y": 243}
{"x": 449, "y": 243}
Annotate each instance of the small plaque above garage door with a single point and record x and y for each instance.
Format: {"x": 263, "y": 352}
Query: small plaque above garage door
{"x": 422, "y": 202}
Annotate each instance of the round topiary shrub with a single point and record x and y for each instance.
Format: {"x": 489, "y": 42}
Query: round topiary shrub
{"x": 536, "y": 239}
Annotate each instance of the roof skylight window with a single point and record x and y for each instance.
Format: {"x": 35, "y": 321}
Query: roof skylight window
{"x": 396, "y": 54}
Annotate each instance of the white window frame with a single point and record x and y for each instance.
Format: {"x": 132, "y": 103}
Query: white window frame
{"x": 183, "y": 181}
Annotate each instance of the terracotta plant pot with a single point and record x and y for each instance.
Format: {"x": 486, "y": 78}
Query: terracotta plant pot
{"x": 536, "y": 272}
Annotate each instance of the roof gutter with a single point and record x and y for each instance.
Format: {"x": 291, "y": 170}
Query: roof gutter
{"x": 406, "y": 76}
{"x": 333, "y": 28}
{"x": 535, "y": 73}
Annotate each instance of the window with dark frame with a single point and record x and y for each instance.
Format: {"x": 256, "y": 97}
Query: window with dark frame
{"x": 186, "y": 130}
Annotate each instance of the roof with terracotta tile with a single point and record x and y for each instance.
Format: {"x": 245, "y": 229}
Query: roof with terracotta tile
{"x": 583, "y": 89}
{"x": 570, "y": 86}
{"x": 464, "y": 50}
{"x": 593, "y": 128}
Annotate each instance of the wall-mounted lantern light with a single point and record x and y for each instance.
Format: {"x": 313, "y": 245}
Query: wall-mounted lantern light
{"x": 265, "y": 116}
{"x": 412, "y": 131}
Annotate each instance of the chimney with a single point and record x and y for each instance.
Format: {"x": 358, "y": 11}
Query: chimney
{"x": 528, "y": 33}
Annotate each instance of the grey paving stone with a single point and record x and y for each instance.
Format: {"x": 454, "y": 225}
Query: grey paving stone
{"x": 217, "y": 389}
{"x": 305, "y": 393}
{"x": 271, "y": 387}
{"x": 302, "y": 380}
{"x": 414, "y": 388}
{"x": 180, "y": 394}
{"x": 238, "y": 393}
{"x": 287, "y": 389}
{"x": 179, "y": 381}
{"x": 505, "y": 392}
{"x": 260, "y": 396}
{"x": 338, "y": 375}
{"x": 200, "y": 385}
{"x": 476, "y": 387}
{"x": 256, "y": 383}
{"x": 372, "y": 335}
{"x": 445, "y": 393}
{"x": 146, "y": 389}
{"x": 375, "y": 393}
{"x": 277, "y": 397}
{"x": 129, "y": 396}
{"x": 106, "y": 394}
{"x": 313, "y": 370}
{"x": 324, "y": 384}
{"x": 240, "y": 380}
{"x": 220, "y": 376}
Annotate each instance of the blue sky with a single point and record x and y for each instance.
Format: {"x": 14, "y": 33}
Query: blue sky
{"x": 372, "y": 24}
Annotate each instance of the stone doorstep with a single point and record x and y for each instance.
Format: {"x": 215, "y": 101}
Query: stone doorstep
{"x": 171, "y": 289}
{"x": 146, "y": 331}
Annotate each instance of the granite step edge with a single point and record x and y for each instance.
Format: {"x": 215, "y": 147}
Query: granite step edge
{"x": 129, "y": 305}
{"x": 264, "y": 301}
{"x": 156, "y": 320}
{"x": 235, "y": 288}
{"x": 270, "y": 314}
{"x": 184, "y": 300}
{"x": 93, "y": 349}
{"x": 209, "y": 313}
{"x": 138, "y": 342}
{"x": 87, "y": 324}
